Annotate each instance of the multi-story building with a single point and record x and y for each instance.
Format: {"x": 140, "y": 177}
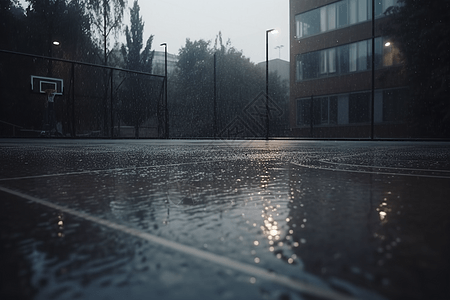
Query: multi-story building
{"x": 279, "y": 66}
{"x": 333, "y": 91}
{"x": 159, "y": 62}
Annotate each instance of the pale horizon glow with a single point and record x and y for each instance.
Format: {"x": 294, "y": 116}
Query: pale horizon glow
{"x": 243, "y": 22}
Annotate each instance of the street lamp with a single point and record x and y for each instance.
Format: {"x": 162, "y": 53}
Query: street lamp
{"x": 166, "y": 110}
{"x": 267, "y": 80}
{"x": 279, "y": 50}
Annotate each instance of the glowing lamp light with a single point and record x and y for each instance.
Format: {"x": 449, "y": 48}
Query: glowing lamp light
{"x": 387, "y": 44}
{"x": 55, "y": 43}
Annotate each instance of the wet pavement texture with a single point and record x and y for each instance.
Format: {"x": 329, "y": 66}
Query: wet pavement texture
{"x": 279, "y": 219}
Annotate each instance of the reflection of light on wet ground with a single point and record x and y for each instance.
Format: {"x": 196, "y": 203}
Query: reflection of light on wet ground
{"x": 258, "y": 209}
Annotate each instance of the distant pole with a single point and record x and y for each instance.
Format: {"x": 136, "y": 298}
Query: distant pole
{"x": 111, "y": 108}
{"x": 267, "y": 82}
{"x": 215, "y": 95}
{"x": 166, "y": 109}
{"x": 279, "y": 50}
{"x": 372, "y": 121}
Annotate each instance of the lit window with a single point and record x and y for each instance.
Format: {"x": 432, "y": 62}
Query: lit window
{"x": 391, "y": 54}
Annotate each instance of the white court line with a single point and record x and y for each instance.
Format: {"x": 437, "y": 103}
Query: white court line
{"x": 106, "y": 170}
{"x": 379, "y": 167}
{"x": 369, "y": 172}
{"x": 208, "y": 256}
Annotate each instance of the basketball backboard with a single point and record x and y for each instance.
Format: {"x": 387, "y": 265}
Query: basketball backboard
{"x": 40, "y": 84}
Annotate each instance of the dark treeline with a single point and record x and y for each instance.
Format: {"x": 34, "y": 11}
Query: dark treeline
{"x": 88, "y": 31}
{"x": 421, "y": 29}
{"x": 238, "y": 83}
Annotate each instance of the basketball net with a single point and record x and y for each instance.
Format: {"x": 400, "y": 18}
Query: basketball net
{"x": 50, "y": 95}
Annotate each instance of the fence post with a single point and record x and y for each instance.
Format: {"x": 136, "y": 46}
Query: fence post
{"x": 111, "y": 106}
{"x": 73, "y": 133}
{"x": 311, "y": 116}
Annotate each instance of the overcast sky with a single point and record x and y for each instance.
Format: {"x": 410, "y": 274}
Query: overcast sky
{"x": 244, "y": 22}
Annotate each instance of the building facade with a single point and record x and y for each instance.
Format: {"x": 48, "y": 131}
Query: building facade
{"x": 333, "y": 91}
{"x": 159, "y": 63}
{"x": 279, "y": 66}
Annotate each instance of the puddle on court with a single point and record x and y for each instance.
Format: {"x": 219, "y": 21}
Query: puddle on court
{"x": 352, "y": 232}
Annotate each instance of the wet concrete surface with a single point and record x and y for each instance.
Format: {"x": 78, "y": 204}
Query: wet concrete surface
{"x": 137, "y": 219}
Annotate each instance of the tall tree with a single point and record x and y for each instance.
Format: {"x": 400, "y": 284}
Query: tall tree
{"x": 11, "y": 22}
{"x": 421, "y": 28}
{"x": 134, "y": 58}
{"x": 238, "y": 83}
{"x": 106, "y": 16}
{"x": 135, "y": 106}
{"x": 194, "y": 92}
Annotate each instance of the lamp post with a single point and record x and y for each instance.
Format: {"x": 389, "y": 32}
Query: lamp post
{"x": 267, "y": 81}
{"x": 166, "y": 110}
{"x": 279, "y": 50}
{"x": 372, "y": 96}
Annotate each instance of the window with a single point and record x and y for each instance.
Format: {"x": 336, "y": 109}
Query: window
{"x": 386, "y": 53}
{"x": 394, "y": 105}
{"x": 333, "y": 110}
{"x": 355, "y": 57}
{"x": 323, "y": 19}
{"x": 378, "y": 7}
{"x": 327, "y": 61}
{"x": 388, "y": 3}
{"x": 299, "y": 68}
{"x": 352, "y": 57}
{"x": 308, "y": 23}
{"x": 342, "y": 13}
{"x": 308, "y": 65}
{"x": 299, "y": 26}
{"x": 339, "y": 14}
{"x": 331, "y": 16}
{"x": 378, "y": 52}
{"x": 323, "y": 62}
{"x": 382, "y": 5}
{"x": 324, "y": 111}
{"x": 362, "y": 10}
{"x": 362, "y": 56}
{"x": 303, "y": 112}
{"x": 343, "y": 55}
{"x": 359, "y": 107}
{"x": 331, "y": 60}
{"x": 353, "y": 11}
{"x": 391, "y": 54}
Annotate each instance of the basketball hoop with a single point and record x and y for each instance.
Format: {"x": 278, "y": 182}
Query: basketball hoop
{"x": 50, "y": 95}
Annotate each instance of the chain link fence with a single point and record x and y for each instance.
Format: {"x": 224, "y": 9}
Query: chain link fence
{"x": 94, "y": 100}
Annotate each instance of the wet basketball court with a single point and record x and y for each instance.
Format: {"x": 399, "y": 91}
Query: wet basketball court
{"x": 183, "y": 219}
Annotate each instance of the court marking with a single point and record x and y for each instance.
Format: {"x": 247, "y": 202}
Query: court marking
{"x": 201, "y": 254}
{"x": 329, "y": 161}
{"x": 380, "y": 167}
{"x": 369, "y": 172}
{"x": 108, "y": 170}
